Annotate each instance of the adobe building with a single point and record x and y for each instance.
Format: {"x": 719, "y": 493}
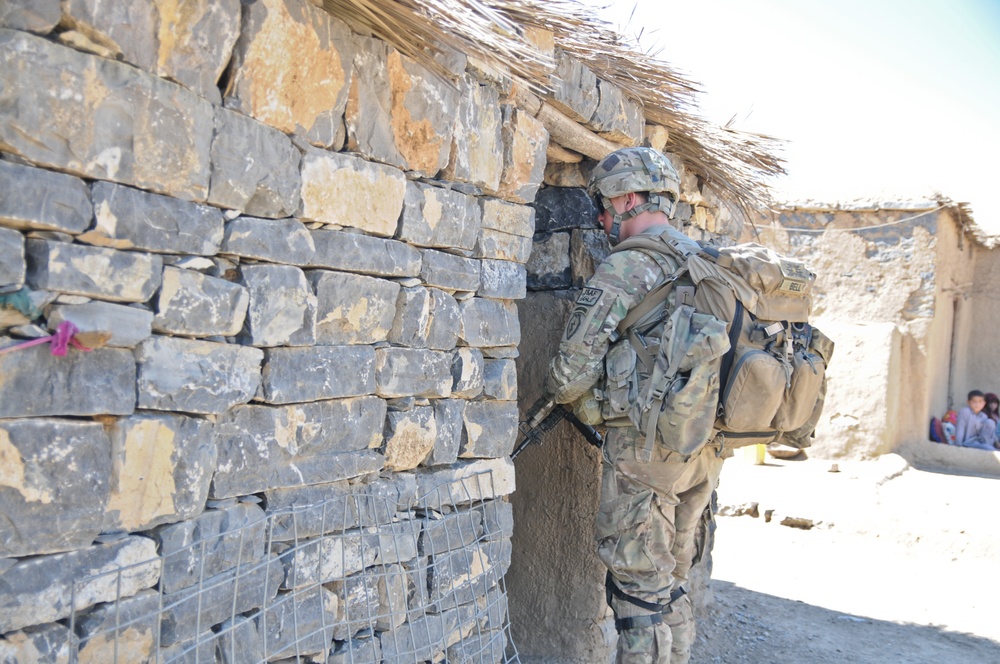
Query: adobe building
{"x": 908, "y": 292}
{"x": 265, "y": 323}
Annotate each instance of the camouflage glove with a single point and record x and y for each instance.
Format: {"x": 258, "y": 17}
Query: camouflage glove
{"x": 587, "y": 408}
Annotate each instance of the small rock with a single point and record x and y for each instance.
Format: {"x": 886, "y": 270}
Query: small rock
{"x": 29, "y": 331}
{"x": 746, "y": 509}
{"x": 72, "y": 299}
{"x": 798, "y": 522}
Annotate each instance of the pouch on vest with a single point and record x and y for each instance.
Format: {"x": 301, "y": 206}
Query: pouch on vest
{"x": 677, "y": 405}
{"x": 808, "y": 374}
{"x": 621, "y": 385}
{"x": 821, "y": 346}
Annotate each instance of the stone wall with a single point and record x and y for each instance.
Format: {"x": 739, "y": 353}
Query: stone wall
{"x": 300, "y": 255}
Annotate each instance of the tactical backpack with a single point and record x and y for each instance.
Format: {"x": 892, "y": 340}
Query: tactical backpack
{"x": 722, "y": 349}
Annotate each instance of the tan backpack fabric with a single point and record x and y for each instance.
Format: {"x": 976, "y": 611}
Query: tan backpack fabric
{"x": 723, "y": 350}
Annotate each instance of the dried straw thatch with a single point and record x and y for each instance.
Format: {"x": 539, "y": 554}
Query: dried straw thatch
{"x": 963, "y": 215}
{"x": 734, "y": 164}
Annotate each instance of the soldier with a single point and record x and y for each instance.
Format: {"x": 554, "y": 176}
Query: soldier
{"x": 651, "y": 498}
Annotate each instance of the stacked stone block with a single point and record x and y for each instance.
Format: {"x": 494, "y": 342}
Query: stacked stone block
{"x": 298, "y": 254}
{"x": 569, "y": 243}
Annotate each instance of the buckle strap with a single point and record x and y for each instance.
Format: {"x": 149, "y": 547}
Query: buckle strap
{"x": 735, "y": 327}
{"x": 613, "y": 590}
{"x": 632, "y": 622}
{"x": 622, "y": 624}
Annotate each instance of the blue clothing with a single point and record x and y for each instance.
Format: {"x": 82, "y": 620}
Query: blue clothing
{"x": 975, "y": 430}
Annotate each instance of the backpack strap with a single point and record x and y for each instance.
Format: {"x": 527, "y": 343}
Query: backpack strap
{"x": 657, "y": 247}
{"x": 654, "y": 299}
{"x": 735, "y": 328}
{"x": 659, "y": 244}
{"x": 662, "y": 377}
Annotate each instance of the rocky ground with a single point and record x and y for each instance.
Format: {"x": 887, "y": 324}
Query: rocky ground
{"x": 883, "y": 564}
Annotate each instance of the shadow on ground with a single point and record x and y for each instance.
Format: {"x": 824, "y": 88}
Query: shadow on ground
{"x": 986, "y": 474}
{"x": 748, "y": 627}
{"x": 951, "y": 459}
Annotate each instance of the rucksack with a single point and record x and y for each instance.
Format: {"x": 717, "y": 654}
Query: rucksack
{"x": 936, "y": 433}
{"x": 722, "y": 350}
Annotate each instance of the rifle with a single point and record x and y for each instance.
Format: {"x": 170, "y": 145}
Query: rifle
{"x": 543, "y": 417}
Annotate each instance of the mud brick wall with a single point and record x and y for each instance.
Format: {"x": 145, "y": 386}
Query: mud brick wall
{"x": 305, "y": 252}
{"x": 904, "y": 289}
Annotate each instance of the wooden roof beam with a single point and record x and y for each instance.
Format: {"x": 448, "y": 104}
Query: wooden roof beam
{"x": 564, "y": 131}
{"x": 560, "y": 155}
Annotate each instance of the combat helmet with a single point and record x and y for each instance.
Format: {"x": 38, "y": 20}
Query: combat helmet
{"x": 634, "y": 170}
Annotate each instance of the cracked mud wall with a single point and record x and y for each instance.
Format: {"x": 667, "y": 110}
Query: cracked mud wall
{"x": 556, "y": 580}
{"x": 978, "y": 359}
{"x": 895, "y": 294}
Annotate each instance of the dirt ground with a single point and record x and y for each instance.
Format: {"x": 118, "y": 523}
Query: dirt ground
{"x": 900, "y": 565}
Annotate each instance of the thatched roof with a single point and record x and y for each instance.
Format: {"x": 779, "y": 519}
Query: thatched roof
{"x": 734, "y": 164}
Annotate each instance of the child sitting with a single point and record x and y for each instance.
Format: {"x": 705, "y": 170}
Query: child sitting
{"x": 992, "y": 411}
{"x": 974, "y": 428}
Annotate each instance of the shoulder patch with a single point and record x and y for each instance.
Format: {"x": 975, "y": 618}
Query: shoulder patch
{"x": 575, "y": 321}
{"x": 589, "y": 297}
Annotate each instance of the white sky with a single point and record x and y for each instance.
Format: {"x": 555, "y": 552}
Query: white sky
{"x": 877, "y": 98}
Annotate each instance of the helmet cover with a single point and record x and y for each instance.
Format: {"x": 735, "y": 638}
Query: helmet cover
{"x": 635, "y": 170}
{"x": 640, "y": 170}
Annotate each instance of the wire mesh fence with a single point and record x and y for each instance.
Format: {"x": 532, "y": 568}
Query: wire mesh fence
{"x": 373, "y": 573}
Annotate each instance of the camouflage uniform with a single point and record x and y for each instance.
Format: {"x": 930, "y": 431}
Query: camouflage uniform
{"x": 651, "y": 499}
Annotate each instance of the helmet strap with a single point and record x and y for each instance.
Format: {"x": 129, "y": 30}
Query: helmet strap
{"x": 617, "y": 219}
{"x": 616, "y": 226}
{"x": 656, "y": 202}
{"x": 652, "y": 204}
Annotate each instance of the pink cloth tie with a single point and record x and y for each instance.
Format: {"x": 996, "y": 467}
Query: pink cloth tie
{"x": 64, "y": 337}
